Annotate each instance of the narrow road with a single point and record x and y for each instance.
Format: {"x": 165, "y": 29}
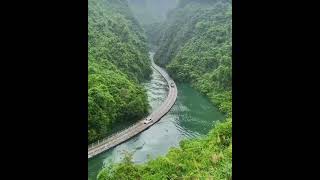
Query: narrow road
{"x": 138, "y": 127}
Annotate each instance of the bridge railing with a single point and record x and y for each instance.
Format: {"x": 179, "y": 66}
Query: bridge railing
{"x": 95, "y": 144}
{"x": 113, "y": 136}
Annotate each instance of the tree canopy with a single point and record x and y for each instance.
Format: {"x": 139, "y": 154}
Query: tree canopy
{"x": 118, "y": 62}
{"x": 195, "y": 47}
{"x": 205, "y": 158}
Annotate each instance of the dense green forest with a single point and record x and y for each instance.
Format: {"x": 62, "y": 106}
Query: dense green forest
{"x": 209, "y": 158}
{"x": 195, "y": 47}
{"x": 118, "y": 62}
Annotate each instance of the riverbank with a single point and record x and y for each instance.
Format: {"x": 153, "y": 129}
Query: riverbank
{"x": 192, "y": 116}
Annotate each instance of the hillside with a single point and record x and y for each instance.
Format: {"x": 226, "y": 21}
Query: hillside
{"x": 195, "y": 47}
{"x": 209, "y": 158}
{"x": 118, "y": 62}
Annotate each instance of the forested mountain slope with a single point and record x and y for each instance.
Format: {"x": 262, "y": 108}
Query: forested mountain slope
{"x": 195, "y": 47}
{"x": 118, "y": 62}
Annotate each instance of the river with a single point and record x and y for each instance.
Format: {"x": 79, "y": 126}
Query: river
{"x": 192, "y": 115}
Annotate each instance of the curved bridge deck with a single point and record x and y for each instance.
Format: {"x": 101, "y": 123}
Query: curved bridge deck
{"x": 138, "y": 127}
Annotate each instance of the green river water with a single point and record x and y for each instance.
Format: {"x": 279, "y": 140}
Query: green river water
{"x": 192, "y": 115}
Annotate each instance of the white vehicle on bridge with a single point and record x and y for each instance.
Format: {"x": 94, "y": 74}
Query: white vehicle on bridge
{"x": 172, "y": 84}
{"x": 147, "y": 121}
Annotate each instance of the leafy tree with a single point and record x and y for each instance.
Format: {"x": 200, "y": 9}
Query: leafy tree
{"x": 118, "y": 62}
{"x": 204, "y": 158}
{"x": 195, "y": 47}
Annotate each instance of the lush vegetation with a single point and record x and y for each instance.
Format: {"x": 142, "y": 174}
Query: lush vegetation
{"x": 195, "y": 47}
{"x": 118, "y": 62}
{"x": 206, "y": 158}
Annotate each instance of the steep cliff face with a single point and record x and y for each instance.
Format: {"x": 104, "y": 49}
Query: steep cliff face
{"x": 118, "y": 62}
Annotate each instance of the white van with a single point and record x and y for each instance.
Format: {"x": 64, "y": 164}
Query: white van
{"x": 147, "y": 121}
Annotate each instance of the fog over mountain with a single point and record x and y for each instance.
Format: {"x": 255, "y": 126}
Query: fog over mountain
{"x": 151, "y": 11}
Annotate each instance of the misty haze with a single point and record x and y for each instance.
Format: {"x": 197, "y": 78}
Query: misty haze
{"x": 160, "y": 89}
